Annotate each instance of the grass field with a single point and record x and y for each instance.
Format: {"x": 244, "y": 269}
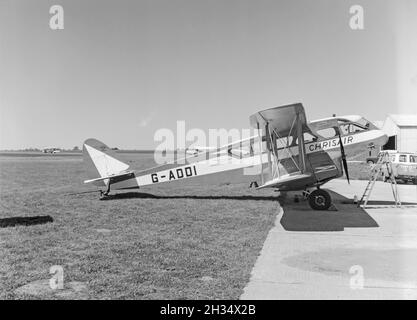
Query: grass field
{"x": 169, "y": 242}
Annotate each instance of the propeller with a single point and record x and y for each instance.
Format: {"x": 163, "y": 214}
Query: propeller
{"x": 342, "y": 150}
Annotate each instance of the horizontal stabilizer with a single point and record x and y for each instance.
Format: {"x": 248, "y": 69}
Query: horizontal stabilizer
{"x": 114, "y": 178}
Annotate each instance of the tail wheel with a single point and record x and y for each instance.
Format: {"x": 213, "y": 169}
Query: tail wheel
{"x": 319, "y": 200}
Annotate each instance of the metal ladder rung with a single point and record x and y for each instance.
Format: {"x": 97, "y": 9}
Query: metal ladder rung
{"x": 383, "y": 159}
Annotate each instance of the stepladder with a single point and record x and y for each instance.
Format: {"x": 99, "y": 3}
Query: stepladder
{"x": 383, "y": 168}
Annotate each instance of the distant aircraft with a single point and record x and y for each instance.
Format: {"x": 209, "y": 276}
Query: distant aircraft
{"x": 288, "y": 154}
{"x": 51, "y": 150}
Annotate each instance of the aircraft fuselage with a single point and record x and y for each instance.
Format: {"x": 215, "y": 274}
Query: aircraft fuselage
{"x": 223, "y": 166}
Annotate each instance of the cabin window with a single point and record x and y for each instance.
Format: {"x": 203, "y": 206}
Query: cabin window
{"x": 327, "y": 133}
{"x": 308, "y": 137}
{"x": 413, "y": 159}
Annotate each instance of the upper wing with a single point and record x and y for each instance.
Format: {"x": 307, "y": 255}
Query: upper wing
{"x": 282, "y": 120}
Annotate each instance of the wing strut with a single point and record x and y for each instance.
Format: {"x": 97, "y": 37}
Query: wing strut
{"x": 260, "y": 153}
{"x": 301, "y": 150}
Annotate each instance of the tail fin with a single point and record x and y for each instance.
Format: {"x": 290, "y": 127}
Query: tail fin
{"x": 101, "y": 160}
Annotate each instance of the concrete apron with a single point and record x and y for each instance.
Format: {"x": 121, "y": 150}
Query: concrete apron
{"x": 351, "y": 253}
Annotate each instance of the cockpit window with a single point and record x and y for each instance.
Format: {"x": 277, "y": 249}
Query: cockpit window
{"x": 351, "y": 127}
{"x": 364, "y": 123}
{"x": 368, "y": 125}
{"x": 355, "y": 128}
{"x": 361, "y": 124}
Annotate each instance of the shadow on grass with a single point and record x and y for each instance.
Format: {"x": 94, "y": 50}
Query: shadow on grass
{"x": 24, "y": 221}
{"x": 300, "y": 217}
{"x": 140, "y": 195}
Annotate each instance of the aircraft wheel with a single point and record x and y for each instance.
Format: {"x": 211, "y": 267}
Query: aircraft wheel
{"x": 319, "y": 200}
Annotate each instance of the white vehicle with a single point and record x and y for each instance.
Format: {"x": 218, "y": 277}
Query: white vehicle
{"x": 404, "y": 166}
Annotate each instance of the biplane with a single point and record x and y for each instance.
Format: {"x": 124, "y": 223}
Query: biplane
{"x": 287, "y": 154}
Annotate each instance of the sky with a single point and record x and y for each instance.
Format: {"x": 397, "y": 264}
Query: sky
{"x": 121, "y": 70}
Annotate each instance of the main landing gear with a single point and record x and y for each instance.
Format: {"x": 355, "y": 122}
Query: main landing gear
{"x": 319, "y": 200}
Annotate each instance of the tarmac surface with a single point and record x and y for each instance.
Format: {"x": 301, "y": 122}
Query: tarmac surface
{"x": 345, "y": 253}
